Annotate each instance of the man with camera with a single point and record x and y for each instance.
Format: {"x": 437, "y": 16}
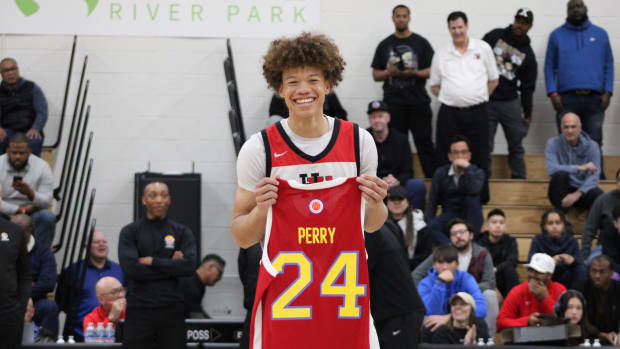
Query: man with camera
{"x": 27, "y": 185}
{"x": 402, "y": 61}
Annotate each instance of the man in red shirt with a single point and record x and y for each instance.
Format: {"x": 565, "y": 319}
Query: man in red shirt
{"x": 112, "y": 303}
{"x": 528, "y": 300}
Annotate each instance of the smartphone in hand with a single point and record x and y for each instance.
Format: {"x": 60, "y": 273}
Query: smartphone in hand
{"x": 17, "y": 179}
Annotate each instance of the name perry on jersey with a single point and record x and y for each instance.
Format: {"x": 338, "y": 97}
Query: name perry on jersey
{"x": 316, "y": 235}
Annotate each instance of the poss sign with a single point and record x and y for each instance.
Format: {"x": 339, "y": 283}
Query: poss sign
{"x": 194, "y": 18}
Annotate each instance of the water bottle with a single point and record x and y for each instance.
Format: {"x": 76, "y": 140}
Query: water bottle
{"x": 99, "y": 333}
{"x": 480, "y": 341}
{"x": 597, "y": 343}
{"x": 89, "y": 335}
{"x": 109, "y": 333}
{"x": 586, "y": 343}
{"x": 70, "y": 340}
{"x": 60, "y": 340}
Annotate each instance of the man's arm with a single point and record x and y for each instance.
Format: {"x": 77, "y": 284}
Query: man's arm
{"x": 487, "y": 281}
{"x": 47, "y": 277}
{"x": 509, "y": 313}
{"x": 593, "y": 222}
{"x": 181, "y": 266}
{"x": 551, "y": 64}
{"x": 491, "y": 85}
{"x": 43, "y": 191}
{"x": 592, "y": 179}
{"x": 250, "y": 212}
{"x": 374, "y": 190}
{"x": 472, "y": 180}
{"x": 433, "y": 196}
{"x": 491, "y": 67}
{"x": 432, "y": 294}
{"x": 39, "y": 104}
{"x": 380, "y": 75}
{"x": 552, "y": 162}
{"x": 435, "y": 90}
{"x": 608, "y": 68}
{"x": 527, "y": 75}
{"x": 435, "y": 75}
{"x": 128, "y": 258}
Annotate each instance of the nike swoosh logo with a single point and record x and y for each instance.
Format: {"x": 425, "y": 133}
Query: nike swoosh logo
{"x": 276, "y": 155}
{"x": 395, "y": 333}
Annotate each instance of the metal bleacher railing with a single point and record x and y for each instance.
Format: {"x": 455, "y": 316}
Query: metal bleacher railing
{"x": 234, "y": 113}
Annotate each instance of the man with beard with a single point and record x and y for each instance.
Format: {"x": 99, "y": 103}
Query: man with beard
{"x": 527, "y": 301}
{"x": 155, "y": 253}
{"x": 402, "y": 61}
{"x": 27, "y": 185}
{"x": 517, "y": 76}
{"x": 579, "y": 70}
{"x": 208, "y": 273}
{"x": 473, "y": 259}
{"x": 602, "y": 298}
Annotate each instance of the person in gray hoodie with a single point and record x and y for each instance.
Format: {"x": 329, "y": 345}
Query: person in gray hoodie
{"x": 573, "y": 162}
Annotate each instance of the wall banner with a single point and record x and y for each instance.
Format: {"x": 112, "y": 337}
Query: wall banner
{"x": 193, "y": 18}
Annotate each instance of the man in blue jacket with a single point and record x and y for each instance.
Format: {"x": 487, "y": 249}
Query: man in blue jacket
{"x": 43, "y": 271}
{"x": 573, "y": 162}
{"x": 444, "y": 280}
{"x": 579, "y": 70}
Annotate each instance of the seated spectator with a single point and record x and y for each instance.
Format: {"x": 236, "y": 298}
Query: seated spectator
{"x": 600, "y": 218}
{"x": 395, "y": 161}
{"x": 27, "y": 185}
{"x": 331, "y": 107}
{"x": 112, "y": 303}
{"x": 527, "y": 301}
{"x": 571, "y": 305}
{"x": 474, "y": 260}
{"x": 43, "y": 271}
{"x": 463, "y": 327}
{"x": 503, "y": 249}
{"x": 97, "y": 266}
{"x": 554, "y": 241}
{"x": 573, "y": 162}
{"x": 193, "y": 288}
{"x": 456, "y": 187}
{"x": 443, "y": 281}
{"x": 23, "y": 107}
{"x": 408, "y": 226}
{"x": 396, "y": 307}
{"x": 611, "y": 242}
{"x": 602, "y": 295}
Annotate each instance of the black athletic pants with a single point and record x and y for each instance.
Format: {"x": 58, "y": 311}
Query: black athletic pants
{"x": 11, "y": 329}
{"x": 148, "y": 328}
{"x": 400, "y": 332}
{"x": 559, "y": 187}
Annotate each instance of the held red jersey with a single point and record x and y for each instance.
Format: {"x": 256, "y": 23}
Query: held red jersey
{"x": 341, "y": 157}
{"x": 312, "y": 289}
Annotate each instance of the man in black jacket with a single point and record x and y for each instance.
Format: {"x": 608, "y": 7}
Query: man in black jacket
{"x": 503, "y": 249}
{"x": 602, "y": 298}
{"x": 517, "y": 68}
{"x": 154, "y": 253}
{"x": 395, "y": 305}
{"x": 15, "y": 283}
{"x": 395, "y": 162}
{"x": 457, "y": 187}
{"x": 193, "y": 288}
{"x": 248, "y": 263}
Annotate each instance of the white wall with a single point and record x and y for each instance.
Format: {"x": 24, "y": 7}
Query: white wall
{"x": 164, "y": 100}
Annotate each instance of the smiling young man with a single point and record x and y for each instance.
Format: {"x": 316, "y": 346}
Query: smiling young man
{"x": 308, "y": 147}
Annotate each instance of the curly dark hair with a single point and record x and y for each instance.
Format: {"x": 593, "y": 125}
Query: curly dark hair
{"x": 307, "y": 49}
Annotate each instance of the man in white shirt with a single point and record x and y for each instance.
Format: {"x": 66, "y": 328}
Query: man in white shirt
{"x": 463, "y": 75}
{"x": 27, "y": 185}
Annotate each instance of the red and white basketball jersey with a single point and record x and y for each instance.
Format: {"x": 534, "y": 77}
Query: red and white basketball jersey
{"x": 312, "y": 289}
{"x": 341, "y": 157}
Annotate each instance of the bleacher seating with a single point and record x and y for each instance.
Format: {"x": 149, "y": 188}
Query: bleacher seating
{"x": 524, "y": 201}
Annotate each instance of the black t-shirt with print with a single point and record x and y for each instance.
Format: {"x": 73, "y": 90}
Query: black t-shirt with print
{"x": 412, "y": 52}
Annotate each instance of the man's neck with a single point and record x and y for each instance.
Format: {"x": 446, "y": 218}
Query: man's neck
{"x": 467, "y": 250}
{"x": 381, "y": 136}
{"x": 494, "y": 239}
{"x": 604, "y": 288}
{"x": 313, "y": 127}
{"x": 462, "y": 47}
{"x": 402, "y": 35}
{"x": 98, "y": 262}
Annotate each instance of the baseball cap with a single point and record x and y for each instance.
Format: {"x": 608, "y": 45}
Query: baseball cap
{"x": 397, "y": 191}
{"x": 542, "y": 263}
{"x": 376, "y": 105}
{"x": 465, "y": 297}
{"x": 526, "y": 14}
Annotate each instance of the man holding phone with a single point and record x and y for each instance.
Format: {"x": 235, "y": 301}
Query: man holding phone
{"x": 529, "y": 302}
{"x": 27, "y": 185}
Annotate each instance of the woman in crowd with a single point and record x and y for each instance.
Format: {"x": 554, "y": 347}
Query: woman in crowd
{"x": 571, "y": 305}
{"x": 463, "y": 327}
{"x": 563, "y": 247}
{"x": 408, "y": 226}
